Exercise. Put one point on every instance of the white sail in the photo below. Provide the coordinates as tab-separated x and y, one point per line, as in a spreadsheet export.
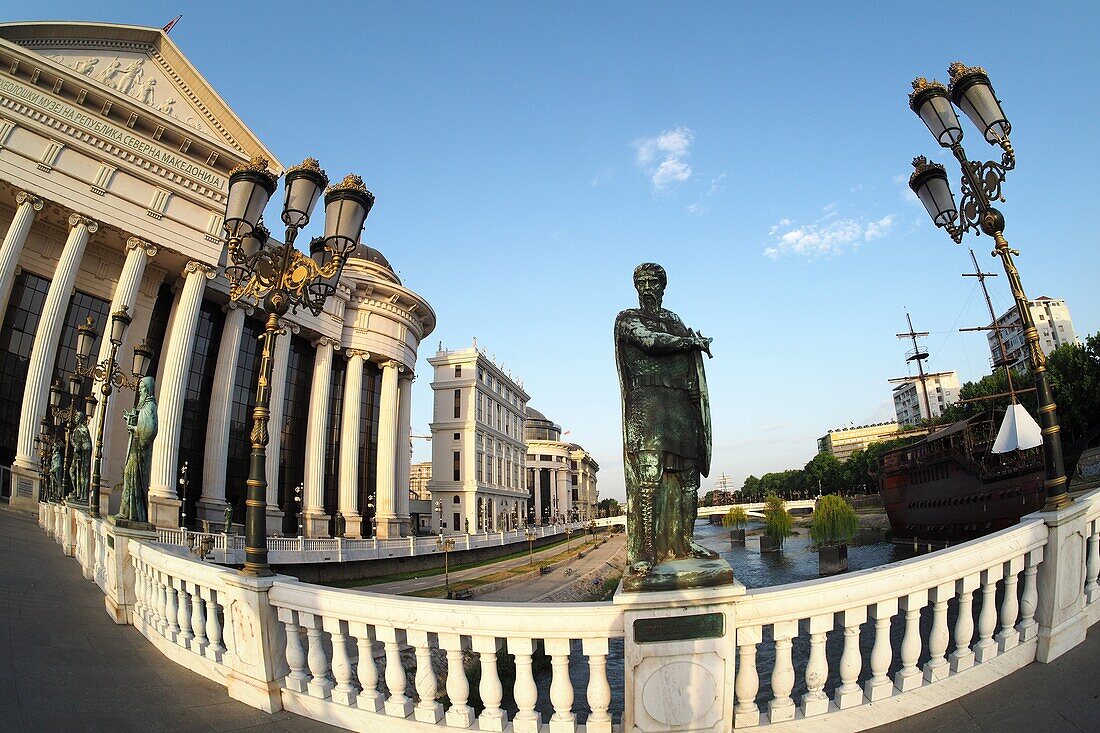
1019	431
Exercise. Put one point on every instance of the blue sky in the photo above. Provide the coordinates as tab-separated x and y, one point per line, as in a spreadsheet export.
526	157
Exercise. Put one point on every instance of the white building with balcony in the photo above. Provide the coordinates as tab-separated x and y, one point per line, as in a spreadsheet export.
477	442
942	389
1052	321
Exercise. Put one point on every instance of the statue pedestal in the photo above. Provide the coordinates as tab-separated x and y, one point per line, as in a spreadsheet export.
133	526
121	595
679	655
164	511
681	575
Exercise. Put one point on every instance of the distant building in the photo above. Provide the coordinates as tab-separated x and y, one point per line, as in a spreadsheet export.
477	442
943	390
842	442
561	476
419	477
1053	322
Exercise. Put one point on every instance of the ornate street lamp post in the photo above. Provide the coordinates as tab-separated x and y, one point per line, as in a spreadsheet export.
65	418
280	278
108	375
971	91
43	446
439	511
446	545
530	535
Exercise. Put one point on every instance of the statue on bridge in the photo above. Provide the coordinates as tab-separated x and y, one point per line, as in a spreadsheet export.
80	461
666	441
141	422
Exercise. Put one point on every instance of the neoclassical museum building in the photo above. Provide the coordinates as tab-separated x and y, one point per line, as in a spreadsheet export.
114	161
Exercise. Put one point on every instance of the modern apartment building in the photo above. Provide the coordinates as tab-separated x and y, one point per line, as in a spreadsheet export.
909	403
1052	321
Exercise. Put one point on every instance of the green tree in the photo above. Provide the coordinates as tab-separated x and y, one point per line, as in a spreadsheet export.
1074	372
735	517
825	473
834	521
609	507
751	490
777	520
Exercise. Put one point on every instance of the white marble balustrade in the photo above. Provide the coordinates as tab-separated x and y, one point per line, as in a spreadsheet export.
351	655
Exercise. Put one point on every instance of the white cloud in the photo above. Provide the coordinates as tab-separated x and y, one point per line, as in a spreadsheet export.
697	208
663	156
602	177
828	236
716	184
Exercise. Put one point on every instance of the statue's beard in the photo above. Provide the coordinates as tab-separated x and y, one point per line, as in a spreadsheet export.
650	302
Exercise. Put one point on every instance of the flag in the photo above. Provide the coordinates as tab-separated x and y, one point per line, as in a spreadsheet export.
169	27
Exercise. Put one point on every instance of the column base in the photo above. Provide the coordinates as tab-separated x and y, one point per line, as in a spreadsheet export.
353	526
164	511
25	486
210	509
274	520
387	527
315	525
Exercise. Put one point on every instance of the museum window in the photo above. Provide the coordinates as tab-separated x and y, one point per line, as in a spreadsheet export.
458	403
457	466
292	446
28	294
331	501
369	402
158	325
458	370
81	307
198	385
242	402
477	465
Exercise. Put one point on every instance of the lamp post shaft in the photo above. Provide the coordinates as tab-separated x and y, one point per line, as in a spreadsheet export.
1057	495
100	419
255	513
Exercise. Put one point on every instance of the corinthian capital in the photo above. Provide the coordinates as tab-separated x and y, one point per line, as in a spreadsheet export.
149	248
194	266
80	220
26	197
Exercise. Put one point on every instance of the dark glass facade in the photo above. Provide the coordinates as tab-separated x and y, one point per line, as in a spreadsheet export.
81	307
332	440
28	293
292	449
196	399
370	400
241	404
158	324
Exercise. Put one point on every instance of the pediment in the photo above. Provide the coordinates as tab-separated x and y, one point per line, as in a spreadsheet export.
145	67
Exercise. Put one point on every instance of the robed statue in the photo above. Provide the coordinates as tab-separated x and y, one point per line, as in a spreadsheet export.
666	441
141	423
80	459
57	473
228	517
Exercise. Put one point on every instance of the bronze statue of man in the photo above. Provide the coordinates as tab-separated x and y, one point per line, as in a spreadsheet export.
666	437
141	422
80	463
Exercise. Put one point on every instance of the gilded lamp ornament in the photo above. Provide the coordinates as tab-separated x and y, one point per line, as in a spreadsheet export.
279	278
971	91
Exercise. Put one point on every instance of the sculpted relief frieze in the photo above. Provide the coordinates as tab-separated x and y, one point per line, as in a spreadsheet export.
134	74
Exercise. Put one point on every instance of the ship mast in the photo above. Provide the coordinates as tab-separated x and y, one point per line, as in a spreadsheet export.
918	355
1002	359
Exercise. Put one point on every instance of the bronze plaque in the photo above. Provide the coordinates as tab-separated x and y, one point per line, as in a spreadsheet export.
679	628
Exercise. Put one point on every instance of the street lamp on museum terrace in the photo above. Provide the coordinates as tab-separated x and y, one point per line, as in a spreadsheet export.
972	92
279	278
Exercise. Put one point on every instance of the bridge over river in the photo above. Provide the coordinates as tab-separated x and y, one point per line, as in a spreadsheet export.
845	653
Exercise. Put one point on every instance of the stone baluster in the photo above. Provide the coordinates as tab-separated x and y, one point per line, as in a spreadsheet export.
1029	598
1008	637
139	589
198	620
298	678
321	685
492	692
781	706
880	686
936	668
599	691
460	714
986	648
214	648
427	710
1092	567
963	656
366	670
815	701
155	599
345	691
398	703
526	694
747	682
171	609
849	694
183	608
561	687
909	677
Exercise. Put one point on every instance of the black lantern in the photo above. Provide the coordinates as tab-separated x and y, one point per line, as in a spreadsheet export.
974	95
929	183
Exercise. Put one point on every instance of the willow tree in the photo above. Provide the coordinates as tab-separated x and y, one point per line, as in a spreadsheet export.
834	521
735	517
777	520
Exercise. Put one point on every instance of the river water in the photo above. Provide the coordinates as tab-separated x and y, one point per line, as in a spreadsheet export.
796	562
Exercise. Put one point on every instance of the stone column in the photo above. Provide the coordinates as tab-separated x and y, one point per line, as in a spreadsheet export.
537	473
163	504
279	365
349	445
386	522
564	503
211	504
314	519
44	350
14	240
138	254
404	450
